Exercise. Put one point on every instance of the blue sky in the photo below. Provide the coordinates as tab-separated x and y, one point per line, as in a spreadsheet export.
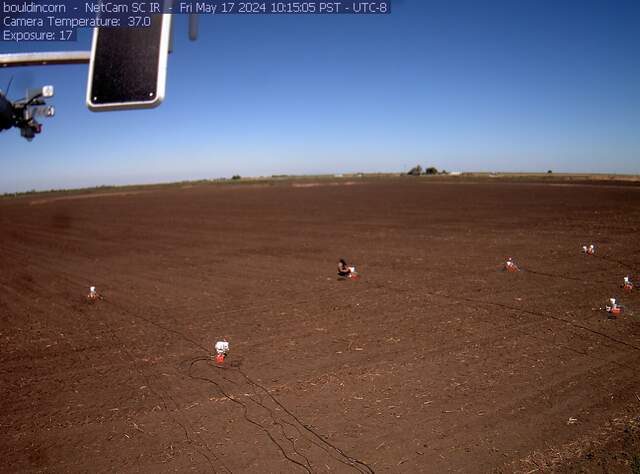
519	85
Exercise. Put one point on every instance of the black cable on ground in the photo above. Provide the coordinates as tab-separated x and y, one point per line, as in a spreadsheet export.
164	403
354	462
562	277
619	262
557	318
246	416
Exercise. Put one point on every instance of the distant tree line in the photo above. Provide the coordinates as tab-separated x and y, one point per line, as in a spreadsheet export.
431	170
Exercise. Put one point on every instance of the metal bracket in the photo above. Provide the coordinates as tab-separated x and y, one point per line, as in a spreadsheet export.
44	59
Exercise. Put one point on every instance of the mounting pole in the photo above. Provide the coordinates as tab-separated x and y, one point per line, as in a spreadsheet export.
193	27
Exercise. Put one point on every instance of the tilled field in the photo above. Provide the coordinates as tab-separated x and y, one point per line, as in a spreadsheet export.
435	360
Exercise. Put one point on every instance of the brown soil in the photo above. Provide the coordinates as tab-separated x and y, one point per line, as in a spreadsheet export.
434	361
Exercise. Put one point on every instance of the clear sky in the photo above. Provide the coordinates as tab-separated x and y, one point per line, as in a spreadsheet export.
465	85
